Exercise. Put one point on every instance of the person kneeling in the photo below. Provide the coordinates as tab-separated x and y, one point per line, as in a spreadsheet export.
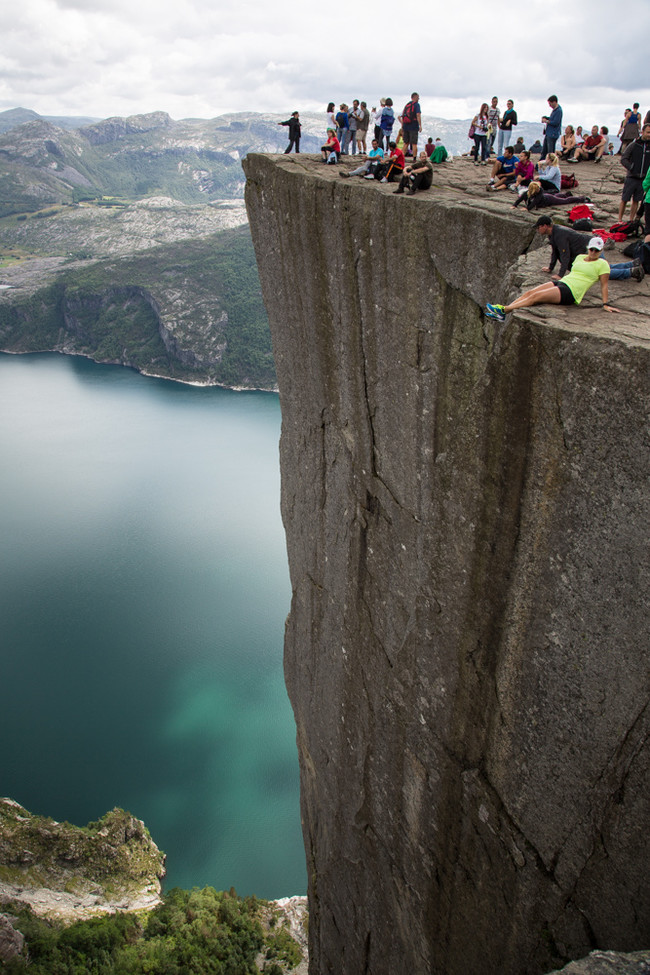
587	269
418	176
332	148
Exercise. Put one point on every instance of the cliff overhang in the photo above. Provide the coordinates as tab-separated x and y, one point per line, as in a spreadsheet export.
466	508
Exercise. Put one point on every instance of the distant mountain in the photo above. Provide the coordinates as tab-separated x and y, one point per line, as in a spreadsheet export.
16	116
191	160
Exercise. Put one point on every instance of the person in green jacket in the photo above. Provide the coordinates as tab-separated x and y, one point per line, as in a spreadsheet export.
646	205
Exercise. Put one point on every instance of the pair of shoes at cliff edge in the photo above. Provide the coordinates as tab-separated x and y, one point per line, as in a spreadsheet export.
497	312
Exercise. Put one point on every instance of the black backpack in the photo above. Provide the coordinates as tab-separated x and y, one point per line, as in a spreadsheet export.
639	249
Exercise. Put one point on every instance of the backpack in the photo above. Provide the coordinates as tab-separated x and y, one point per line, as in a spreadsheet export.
568	181
608	235
641	250
582	211
409	115
387	119
583	224
631	228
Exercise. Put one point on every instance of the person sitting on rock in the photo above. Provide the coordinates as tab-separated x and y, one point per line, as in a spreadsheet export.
439	153
567	143
331	151
503	166
393	167
522	174
550	177
370	166
417	176
587	269
593	147
519	145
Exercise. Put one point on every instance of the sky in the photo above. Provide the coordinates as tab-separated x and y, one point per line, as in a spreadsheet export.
200	59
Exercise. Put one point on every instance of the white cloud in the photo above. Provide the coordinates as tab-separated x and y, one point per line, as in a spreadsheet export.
190	58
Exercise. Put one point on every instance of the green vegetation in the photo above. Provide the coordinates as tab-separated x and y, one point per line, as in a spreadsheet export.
124	309
206	932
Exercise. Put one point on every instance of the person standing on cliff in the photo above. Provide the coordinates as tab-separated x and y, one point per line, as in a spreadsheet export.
505	127
494	118
294	132
411	119
636	159
553	123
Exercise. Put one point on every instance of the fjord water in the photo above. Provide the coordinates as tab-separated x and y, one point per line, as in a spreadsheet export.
143	592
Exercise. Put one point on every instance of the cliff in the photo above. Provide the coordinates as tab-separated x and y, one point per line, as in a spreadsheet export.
68	873
466	509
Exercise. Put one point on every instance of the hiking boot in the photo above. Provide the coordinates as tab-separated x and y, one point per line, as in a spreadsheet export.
497	312
637	273
609	244
636	262
396	192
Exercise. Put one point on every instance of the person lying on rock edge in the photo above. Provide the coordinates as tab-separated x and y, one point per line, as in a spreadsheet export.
570	291
567	243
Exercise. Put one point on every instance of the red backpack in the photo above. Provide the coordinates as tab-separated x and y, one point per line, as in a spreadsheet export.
607	235
582	211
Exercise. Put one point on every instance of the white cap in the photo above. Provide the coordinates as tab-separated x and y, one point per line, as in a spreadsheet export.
597	243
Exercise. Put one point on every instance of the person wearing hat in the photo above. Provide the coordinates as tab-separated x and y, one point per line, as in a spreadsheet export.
587	269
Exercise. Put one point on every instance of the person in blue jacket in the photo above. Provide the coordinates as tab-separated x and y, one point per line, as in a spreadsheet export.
553	123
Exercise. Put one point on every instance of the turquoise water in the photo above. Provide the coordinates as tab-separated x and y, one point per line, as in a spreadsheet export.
143	593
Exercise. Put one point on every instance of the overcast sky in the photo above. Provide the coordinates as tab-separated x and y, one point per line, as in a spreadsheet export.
200	58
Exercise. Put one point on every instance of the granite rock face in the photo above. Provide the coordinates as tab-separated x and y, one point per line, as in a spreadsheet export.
466	509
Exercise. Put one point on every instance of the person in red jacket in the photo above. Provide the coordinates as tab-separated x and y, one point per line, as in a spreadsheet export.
393	168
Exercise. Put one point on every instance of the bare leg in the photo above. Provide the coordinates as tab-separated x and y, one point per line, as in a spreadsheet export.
621	210
543	294
634	206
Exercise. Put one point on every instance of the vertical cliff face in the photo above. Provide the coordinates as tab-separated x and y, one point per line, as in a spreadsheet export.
466	508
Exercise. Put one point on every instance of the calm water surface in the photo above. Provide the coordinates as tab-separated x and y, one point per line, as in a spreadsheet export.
143	592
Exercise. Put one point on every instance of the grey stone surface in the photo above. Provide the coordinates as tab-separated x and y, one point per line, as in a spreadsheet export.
466	508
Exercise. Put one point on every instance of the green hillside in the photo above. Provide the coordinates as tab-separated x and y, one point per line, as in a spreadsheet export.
190	311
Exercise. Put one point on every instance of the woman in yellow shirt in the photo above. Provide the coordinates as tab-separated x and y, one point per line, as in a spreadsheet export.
587	269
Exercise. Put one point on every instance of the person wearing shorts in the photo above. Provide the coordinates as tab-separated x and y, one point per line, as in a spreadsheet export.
411	119
587	269
636	159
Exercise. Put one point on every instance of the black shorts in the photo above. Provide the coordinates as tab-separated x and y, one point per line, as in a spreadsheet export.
632	189
566	293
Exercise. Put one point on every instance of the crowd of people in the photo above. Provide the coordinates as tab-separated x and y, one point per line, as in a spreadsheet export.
395	138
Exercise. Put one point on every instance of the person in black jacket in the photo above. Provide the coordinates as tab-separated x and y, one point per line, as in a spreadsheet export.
636	159
566	244
294	131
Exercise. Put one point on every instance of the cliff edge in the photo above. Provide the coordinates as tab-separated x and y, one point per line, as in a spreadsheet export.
466	509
